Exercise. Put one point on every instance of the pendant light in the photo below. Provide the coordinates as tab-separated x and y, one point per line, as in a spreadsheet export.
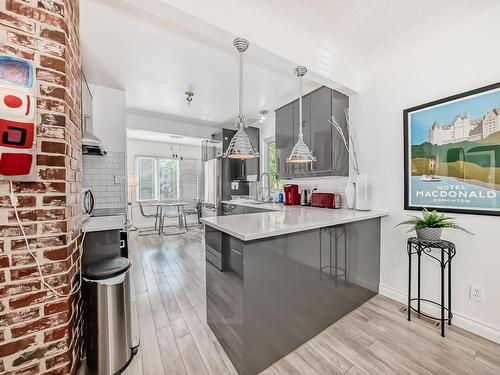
240	146
301	154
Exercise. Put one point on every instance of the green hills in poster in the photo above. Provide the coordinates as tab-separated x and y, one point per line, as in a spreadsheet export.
478	160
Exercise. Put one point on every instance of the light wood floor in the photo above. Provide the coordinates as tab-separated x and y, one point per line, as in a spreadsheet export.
168	307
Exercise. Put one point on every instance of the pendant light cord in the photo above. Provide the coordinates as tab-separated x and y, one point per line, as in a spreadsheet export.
78	263
300	71
301	134
240	89
241	46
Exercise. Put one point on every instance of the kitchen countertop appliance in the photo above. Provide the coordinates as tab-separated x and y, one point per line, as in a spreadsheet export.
292	196
305	197
88	202
326	200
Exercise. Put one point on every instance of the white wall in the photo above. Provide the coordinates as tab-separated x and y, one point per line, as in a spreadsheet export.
171	125
136	148
105	175
438	64
108	116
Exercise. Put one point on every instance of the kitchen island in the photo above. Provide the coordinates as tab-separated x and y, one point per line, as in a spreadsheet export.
279	277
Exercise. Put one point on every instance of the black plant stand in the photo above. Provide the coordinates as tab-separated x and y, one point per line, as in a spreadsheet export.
447	250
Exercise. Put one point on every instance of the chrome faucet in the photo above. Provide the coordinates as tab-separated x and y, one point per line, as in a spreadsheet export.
268	197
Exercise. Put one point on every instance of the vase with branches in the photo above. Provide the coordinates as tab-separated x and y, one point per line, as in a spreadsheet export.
348	142
357	193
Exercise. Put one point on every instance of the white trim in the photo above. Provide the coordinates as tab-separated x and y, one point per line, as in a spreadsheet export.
469	324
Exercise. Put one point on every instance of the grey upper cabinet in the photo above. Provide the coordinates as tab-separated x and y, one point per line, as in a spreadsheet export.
320	136
252	166
340	156
301	170
321	131
284	138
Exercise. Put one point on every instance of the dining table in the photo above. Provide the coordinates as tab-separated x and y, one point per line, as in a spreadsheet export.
161	206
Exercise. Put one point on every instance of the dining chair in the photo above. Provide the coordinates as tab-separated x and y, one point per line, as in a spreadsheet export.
149	231
193	210
178	213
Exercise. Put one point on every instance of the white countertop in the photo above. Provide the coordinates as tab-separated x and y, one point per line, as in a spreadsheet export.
100	223
284	220
264	206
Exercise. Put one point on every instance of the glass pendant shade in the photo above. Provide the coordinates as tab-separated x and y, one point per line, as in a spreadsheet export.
240	146
301	153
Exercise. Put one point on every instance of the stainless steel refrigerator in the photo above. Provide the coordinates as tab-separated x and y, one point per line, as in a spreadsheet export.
212	187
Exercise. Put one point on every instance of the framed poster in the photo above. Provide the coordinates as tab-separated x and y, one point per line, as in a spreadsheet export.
452	153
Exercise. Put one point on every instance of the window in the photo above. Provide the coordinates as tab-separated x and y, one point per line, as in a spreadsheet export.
271	165
169	184
146	179
188	180
167	179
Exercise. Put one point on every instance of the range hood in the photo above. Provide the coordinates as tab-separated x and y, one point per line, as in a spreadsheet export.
91	145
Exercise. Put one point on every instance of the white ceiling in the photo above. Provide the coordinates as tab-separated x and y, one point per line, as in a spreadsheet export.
155	61
155	50
145	135
336	39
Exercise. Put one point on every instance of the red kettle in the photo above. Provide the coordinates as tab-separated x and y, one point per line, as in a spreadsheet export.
292	196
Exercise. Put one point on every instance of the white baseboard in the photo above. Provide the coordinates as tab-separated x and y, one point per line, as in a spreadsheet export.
459	320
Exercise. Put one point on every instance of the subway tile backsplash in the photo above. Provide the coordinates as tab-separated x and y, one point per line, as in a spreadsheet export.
105	175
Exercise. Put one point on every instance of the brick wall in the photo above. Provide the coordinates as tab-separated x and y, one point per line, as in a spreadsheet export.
39	332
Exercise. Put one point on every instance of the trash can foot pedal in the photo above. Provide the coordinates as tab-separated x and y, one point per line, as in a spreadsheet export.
133	351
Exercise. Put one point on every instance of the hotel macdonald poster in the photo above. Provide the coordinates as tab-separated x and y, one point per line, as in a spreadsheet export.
452	153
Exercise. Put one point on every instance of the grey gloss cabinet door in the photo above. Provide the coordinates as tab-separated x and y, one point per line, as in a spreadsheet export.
321	131
301	170
340	156
252	165
284	139
323	140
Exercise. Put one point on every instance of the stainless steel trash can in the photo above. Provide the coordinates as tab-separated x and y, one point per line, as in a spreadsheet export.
109	343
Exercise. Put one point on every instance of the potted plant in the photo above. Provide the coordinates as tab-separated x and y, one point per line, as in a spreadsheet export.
430	225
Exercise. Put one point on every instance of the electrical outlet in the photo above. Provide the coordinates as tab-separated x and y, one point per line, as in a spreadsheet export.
476	293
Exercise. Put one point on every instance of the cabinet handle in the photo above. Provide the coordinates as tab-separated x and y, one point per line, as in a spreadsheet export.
122	244
237	252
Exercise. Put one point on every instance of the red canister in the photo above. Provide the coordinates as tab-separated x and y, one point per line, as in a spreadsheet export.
292	196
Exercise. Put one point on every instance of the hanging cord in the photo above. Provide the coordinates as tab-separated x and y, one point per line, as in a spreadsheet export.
74	290
301	131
